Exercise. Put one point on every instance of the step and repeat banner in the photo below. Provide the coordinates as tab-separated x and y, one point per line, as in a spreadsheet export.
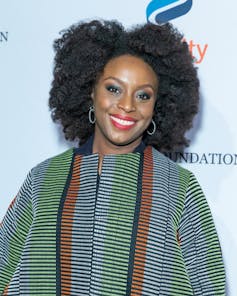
28	136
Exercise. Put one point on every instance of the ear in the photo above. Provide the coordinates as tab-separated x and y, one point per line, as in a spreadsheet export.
93	94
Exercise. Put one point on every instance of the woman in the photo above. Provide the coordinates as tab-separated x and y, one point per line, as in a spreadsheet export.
115	216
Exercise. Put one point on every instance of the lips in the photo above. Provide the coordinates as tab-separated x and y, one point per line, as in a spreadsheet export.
122	122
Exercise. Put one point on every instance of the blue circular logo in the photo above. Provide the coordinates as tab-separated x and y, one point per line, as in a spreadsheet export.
162	11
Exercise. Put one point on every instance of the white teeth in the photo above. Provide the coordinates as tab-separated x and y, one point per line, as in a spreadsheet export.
122	121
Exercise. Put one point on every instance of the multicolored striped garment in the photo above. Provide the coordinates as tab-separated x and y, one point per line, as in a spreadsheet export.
142	228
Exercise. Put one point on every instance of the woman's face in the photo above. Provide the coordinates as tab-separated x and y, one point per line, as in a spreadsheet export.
124	98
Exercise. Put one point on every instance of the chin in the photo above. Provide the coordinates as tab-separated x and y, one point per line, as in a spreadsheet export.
119	141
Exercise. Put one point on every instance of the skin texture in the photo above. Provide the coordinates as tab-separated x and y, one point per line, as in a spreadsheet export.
124	99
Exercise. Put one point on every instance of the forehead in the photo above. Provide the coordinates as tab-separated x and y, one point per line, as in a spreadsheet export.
130	67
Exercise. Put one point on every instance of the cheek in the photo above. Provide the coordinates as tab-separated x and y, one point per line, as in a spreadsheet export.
148	110
102	103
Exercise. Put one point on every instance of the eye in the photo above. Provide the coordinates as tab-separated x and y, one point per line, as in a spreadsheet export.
113	89
143	96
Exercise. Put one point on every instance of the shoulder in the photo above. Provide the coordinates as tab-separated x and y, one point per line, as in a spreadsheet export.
162	160
61	160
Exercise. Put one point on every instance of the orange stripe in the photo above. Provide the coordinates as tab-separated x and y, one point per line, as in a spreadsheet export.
143	225
12	203
66	228
5	292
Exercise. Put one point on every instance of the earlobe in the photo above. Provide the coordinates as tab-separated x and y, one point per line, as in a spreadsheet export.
92	95
93	92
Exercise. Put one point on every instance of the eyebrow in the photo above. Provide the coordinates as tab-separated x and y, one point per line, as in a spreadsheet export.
120	81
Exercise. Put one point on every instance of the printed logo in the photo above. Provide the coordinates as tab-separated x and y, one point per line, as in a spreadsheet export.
3	36
198	51
206	158
162	11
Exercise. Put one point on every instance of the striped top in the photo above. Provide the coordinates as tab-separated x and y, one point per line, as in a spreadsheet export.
142	228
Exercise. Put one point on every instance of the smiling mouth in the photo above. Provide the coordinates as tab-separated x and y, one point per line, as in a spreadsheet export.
122	123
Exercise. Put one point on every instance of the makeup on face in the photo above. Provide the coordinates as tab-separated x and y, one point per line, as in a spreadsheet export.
124	98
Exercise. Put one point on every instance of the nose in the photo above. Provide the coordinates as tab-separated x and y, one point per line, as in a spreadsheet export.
127	103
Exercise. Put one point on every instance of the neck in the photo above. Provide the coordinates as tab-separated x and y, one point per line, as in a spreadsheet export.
106	147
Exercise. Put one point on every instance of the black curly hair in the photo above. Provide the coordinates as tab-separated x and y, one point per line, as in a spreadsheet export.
81	55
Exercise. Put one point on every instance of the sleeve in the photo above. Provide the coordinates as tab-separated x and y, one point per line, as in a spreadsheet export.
200	244
13	232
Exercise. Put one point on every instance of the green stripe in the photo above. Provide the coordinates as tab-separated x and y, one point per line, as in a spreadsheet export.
212	243
120	225
16	244
43	238
179	276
